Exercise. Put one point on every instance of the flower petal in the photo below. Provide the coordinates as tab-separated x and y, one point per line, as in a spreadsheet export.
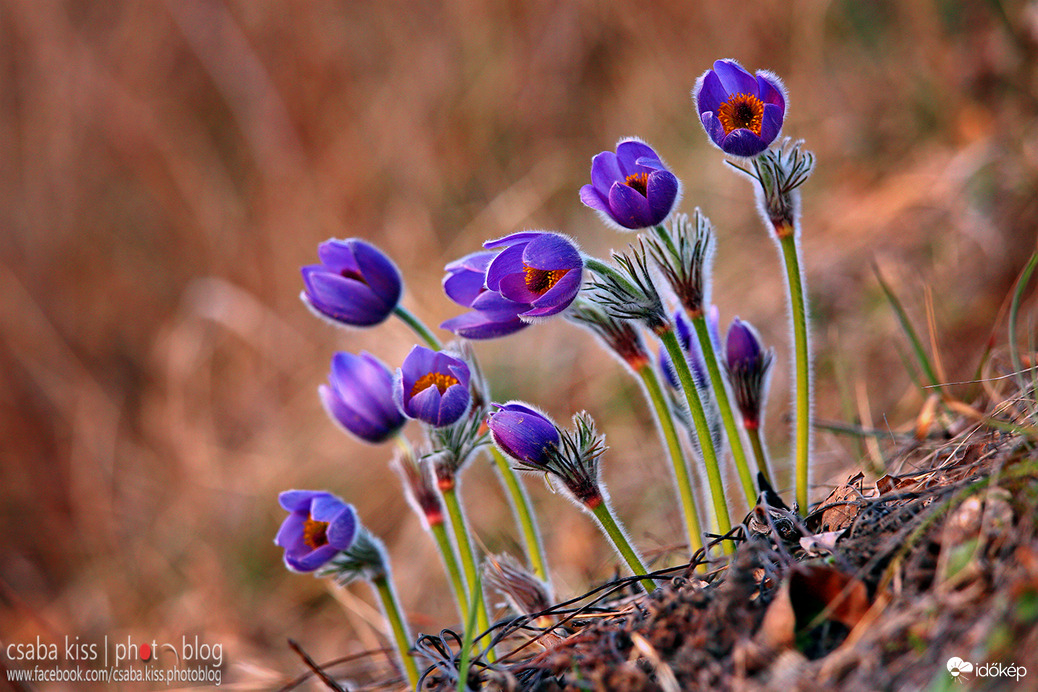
509	261
734	78
605	170
709	94
742	142
771	124
629	207
480	325
551	251
298	500
662	194
342	529
772	90
591	197
630	151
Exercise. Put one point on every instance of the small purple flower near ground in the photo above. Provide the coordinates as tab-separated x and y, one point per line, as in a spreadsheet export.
318	527
631	187
432	386
747	363
355	284
492	314
741	113
540	271
359	397
523	433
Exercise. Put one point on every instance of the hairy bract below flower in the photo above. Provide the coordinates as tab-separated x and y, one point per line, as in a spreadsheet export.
539	270
359	397
432	386
631	187
741	113
492	314
318	527
355	284
523	433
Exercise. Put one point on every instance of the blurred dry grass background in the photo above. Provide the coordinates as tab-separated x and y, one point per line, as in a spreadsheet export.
166	168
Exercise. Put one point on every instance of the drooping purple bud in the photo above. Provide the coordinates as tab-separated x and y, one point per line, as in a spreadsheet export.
355	284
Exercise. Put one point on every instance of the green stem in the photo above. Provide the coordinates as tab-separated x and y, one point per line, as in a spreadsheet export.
391	608
677	455
758	451
706	345
620	542
466	555
523	513
798	308
418	327
450	562
706	442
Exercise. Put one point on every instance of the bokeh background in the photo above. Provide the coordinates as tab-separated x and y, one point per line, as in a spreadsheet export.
167	167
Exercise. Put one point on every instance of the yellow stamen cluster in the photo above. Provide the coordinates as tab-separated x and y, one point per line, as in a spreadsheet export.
741	111
540	281
315	533
434	379
640	182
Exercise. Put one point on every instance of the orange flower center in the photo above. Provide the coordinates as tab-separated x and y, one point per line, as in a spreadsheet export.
315	533
433	379
741	111
640	182
540	281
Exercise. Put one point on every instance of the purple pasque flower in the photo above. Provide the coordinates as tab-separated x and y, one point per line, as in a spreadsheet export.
632	187
539	270
741	113
355	284
359	397
492	314
748	364
690	346
432	386
319	526
523	433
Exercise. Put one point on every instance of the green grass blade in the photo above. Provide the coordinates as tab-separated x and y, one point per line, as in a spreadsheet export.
909	330
1014	309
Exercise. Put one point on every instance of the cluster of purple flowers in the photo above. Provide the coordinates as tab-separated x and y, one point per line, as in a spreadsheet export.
512	283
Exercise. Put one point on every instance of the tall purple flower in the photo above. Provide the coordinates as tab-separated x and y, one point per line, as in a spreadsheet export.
492	314
540	271
432	386
318	527
741	113
355	284
748	364
523	433
632	187
359	397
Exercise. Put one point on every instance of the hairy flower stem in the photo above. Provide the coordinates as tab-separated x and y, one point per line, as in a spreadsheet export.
798	307
706	442
677	456
758	450
468	558
620	542
391	608
725	406
523	513
418	327
450	562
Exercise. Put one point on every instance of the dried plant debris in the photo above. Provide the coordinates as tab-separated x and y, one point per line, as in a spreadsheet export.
888	583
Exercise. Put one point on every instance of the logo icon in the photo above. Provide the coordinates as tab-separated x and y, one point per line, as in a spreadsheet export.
957	667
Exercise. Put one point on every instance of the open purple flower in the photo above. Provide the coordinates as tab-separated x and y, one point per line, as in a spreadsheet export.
359	397
632	187
318	527
355	284
540	271
432	386
741	113
748	364
523	433
492	314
